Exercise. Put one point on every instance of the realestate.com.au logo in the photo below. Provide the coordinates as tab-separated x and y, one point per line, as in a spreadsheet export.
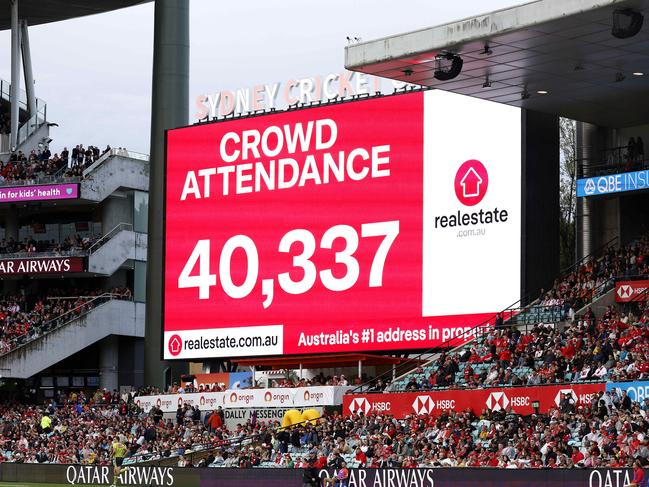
471	182
175	345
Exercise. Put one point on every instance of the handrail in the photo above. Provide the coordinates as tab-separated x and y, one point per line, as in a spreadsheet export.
42	255
114	231
41	180
105	296
605	246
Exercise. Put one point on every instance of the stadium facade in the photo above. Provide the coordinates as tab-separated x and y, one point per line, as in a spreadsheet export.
103	202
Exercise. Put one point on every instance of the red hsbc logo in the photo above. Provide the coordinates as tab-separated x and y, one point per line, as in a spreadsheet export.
626	291
175	345
471	182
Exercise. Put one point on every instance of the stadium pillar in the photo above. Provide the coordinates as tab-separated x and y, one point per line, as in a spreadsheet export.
109	362
169	108
27	68
15	74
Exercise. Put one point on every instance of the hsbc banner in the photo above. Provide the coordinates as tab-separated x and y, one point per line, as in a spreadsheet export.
628	291
520	399
248	398
355	226
44	265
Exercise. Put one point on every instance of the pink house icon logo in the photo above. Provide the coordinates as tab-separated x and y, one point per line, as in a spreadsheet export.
471	182
175	345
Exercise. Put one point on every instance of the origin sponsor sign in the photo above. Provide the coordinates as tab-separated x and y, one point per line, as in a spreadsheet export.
39	193
518	399
248	398
45	265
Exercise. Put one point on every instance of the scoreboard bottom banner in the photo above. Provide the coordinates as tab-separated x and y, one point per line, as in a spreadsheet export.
34	474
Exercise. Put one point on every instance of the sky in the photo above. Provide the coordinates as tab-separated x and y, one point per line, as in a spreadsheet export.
95	72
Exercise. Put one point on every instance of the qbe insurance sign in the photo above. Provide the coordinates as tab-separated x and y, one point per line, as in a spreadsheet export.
383	224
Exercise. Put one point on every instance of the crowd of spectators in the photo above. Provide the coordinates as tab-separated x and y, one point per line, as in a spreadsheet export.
32	167
613	347
611	431
29	245
24	317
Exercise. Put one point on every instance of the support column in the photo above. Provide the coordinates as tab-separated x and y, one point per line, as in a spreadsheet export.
15	75
11	232
169	109
27	68
109	363
587	148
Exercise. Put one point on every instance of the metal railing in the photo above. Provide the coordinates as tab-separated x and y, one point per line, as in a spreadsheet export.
39	255
103	240
63	319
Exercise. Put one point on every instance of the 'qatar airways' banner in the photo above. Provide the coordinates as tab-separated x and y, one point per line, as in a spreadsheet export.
248	398
382	224
41	265
519	399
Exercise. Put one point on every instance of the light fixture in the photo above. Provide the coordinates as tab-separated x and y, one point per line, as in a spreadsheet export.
542	92
487	50
407	72
453	71
487	82
619	77
638	73
525	94
632	25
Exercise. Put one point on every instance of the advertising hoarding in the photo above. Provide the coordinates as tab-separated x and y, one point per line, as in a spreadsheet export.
248	398
628	291
41	265
43	192
613	183
383	224
519	399
637	391
156	476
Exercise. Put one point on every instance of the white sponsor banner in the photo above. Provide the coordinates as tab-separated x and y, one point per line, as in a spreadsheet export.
472	205
247	398
224	342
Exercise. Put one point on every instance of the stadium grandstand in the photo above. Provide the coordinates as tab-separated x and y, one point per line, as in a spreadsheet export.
151	322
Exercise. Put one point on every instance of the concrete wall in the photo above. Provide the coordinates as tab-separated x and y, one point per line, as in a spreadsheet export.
125	245
114	173
112	318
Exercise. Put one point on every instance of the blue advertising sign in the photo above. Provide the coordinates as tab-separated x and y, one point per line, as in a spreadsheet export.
613	183
637	391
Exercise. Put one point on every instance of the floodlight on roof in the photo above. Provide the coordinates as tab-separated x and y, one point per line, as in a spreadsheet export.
453	71
631	19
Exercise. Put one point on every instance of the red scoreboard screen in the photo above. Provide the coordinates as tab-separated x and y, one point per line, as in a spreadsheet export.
382	224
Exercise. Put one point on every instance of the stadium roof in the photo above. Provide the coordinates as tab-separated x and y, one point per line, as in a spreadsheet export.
45	11
562	47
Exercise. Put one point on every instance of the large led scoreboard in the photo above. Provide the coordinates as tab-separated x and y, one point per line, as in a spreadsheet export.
382	224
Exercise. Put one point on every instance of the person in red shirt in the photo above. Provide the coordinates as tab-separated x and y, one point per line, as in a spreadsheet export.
638	475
